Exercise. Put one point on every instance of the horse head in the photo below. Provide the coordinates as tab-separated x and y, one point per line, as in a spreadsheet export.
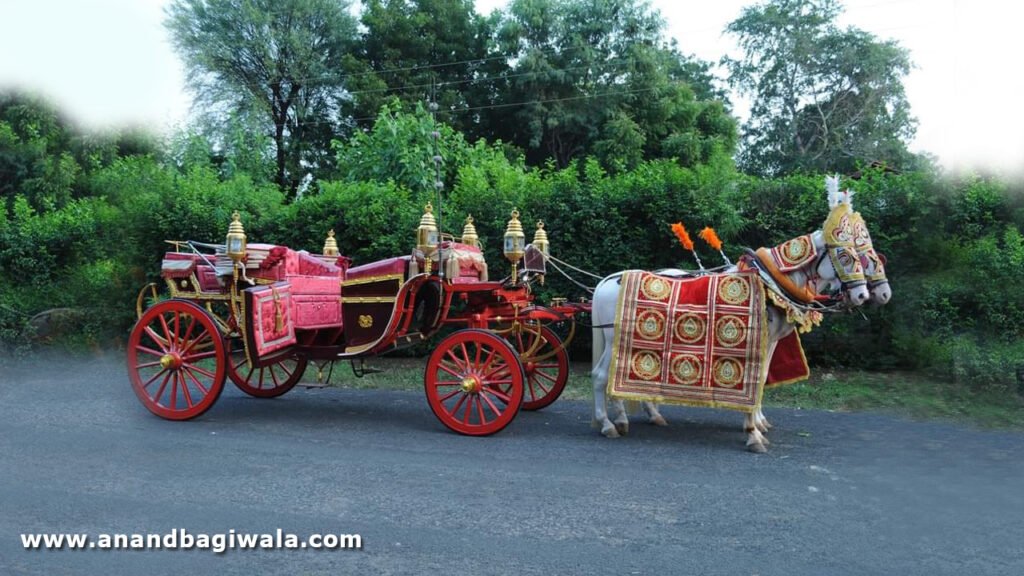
872	262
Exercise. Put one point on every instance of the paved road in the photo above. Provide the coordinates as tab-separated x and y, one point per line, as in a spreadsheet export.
837	493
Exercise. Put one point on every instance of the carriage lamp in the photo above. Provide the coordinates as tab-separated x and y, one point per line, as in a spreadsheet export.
515	242
540	239
426	236
331	245
469	237
540	242
235	239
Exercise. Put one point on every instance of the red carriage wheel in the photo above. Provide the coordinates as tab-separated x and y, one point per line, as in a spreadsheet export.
546	365
176	360
269	381
474	382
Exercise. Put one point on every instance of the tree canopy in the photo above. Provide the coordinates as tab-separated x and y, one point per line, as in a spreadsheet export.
824	98
273	60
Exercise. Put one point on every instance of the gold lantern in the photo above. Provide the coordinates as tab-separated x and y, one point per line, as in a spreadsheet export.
540	238
515	242
426	236
331	245
469	237
235	239
540	242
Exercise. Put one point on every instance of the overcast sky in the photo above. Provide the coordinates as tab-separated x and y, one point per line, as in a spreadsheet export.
109	63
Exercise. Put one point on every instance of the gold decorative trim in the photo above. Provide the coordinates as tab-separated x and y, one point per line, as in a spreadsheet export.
368	299
372	279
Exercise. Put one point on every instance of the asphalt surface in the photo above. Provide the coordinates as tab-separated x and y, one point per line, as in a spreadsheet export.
836	494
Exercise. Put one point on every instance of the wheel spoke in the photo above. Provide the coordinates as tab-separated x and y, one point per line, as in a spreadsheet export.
458	404
167	331
196	380
200	356
153	379
469	408
188	331
480	410
490	403
449	395
441	383
204	372
149	364
260	385
161	342
163	386
184	389
546	376
273	375
444	367
458	364
174	391
490	374
465	356
192	344
499	395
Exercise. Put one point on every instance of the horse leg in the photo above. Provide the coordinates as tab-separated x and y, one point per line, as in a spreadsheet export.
756	442
761	422
599	376
620	418
653	416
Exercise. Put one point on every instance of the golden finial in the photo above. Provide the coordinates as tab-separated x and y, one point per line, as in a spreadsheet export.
469	236
331	245
540	238
426	236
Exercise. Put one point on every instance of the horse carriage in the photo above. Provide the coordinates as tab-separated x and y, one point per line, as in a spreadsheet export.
258	314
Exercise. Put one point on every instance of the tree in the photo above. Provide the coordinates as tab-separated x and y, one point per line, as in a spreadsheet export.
597	77
277	59
823	98
415	50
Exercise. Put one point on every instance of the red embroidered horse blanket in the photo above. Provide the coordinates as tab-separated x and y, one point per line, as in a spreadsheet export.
696	341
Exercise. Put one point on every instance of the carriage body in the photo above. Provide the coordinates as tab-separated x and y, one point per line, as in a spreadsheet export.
261	320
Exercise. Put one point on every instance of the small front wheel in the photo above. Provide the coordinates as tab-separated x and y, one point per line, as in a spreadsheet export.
474	382
270	381
176	360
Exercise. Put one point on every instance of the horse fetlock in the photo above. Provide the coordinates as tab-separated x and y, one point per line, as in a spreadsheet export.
658	420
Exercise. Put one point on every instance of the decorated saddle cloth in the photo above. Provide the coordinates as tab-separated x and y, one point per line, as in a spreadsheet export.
695	341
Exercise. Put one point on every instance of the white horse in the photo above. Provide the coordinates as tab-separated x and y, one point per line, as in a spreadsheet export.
836	263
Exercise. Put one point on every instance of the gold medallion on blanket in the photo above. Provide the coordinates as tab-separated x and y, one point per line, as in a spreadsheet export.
693	341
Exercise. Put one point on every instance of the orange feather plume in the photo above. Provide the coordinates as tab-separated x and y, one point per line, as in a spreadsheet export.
684	237
708	235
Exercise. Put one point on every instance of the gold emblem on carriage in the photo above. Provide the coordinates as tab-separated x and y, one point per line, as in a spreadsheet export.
365	321
650	325
647	365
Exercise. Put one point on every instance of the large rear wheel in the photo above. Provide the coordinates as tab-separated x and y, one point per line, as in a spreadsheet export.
176	360
474	382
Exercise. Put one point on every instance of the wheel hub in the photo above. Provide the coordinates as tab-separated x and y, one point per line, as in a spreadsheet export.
529	367
170	361
470	384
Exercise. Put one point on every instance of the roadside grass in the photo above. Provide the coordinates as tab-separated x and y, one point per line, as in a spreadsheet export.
907	394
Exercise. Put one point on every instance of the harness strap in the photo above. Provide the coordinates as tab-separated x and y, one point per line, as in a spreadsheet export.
764	261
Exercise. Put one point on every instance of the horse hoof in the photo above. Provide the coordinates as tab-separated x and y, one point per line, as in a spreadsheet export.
622	428
610	432
760	426
757	448
659	420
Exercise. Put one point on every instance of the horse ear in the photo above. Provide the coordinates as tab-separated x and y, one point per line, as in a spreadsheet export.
832	187
849	197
